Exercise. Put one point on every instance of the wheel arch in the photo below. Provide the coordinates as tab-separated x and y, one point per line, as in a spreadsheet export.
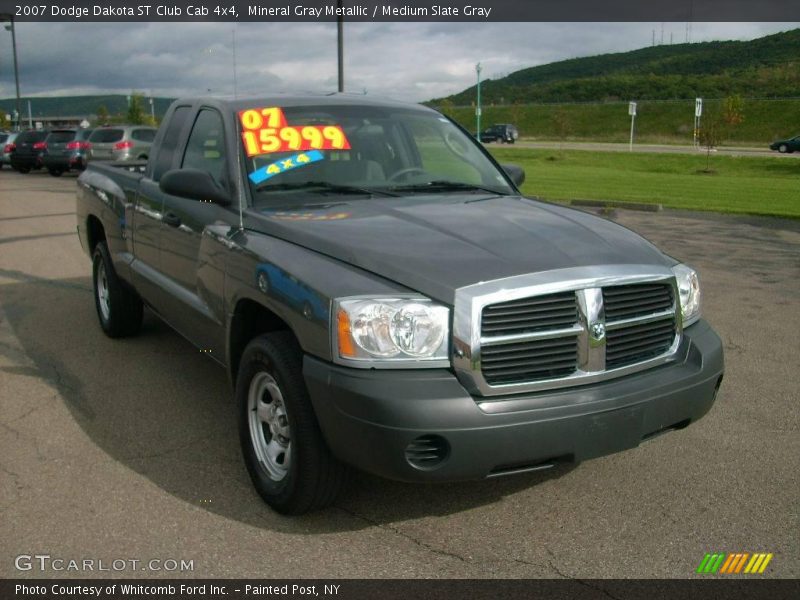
95	232
248	320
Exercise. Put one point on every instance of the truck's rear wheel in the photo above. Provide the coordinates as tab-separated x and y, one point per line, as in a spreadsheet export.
289	463
119	308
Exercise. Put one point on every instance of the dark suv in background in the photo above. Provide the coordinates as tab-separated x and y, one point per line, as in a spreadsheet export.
66	150
28	149
121	143
502	133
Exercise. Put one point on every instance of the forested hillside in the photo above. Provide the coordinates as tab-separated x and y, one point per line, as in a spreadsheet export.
767	67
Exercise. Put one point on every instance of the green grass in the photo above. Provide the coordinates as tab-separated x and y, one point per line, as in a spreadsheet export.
745	185
656	122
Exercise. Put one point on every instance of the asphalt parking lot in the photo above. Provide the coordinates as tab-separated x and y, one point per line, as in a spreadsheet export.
128	449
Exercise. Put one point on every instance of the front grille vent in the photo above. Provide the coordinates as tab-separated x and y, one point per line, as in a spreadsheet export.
530	361
554	311
637	343
630	301
641	339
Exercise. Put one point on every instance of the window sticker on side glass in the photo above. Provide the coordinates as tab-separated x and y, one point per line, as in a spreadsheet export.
265	131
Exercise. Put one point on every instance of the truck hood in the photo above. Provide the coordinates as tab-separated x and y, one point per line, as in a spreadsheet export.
437	244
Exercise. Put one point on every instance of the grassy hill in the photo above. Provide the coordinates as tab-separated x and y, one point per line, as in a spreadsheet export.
767	67
656	121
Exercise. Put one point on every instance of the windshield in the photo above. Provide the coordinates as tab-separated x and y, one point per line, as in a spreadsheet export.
295	152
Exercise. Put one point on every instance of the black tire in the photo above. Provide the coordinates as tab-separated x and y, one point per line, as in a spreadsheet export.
121	313
23	170
55	172
783	148
313	477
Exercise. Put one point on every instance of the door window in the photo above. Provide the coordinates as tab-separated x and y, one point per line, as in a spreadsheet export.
169	141
205	150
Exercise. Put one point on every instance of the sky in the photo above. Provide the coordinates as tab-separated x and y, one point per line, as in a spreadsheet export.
405	61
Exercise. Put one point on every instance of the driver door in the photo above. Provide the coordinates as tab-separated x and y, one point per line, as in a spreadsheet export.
190	258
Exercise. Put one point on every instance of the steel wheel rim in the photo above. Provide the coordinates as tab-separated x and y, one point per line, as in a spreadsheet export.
102	291
270	433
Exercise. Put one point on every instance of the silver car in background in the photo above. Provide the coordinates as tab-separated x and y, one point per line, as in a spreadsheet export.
121	143
7	145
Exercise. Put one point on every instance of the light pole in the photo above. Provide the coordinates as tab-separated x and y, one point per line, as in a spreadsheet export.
340	44
233	35
10	27
478	107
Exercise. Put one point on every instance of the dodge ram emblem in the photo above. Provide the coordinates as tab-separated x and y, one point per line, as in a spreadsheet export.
598	331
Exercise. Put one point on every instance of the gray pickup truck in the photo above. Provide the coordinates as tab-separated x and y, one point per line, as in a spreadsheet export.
382	296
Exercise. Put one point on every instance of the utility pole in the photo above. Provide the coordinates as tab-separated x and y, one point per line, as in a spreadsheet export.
233	35
340	43
478	107
10	27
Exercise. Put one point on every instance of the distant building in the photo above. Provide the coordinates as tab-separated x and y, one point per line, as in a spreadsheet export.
60	121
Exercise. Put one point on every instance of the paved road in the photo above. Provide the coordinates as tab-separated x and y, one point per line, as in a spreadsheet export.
128	450
657	148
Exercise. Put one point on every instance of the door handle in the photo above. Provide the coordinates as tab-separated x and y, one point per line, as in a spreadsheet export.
171	219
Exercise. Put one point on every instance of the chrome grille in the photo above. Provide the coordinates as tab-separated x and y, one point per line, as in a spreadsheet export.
530	361
629	301
553	311
629	339
564	328
629	345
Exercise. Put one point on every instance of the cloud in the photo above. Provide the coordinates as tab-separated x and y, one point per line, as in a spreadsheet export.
409	61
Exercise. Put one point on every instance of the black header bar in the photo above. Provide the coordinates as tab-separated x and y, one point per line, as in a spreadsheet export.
408	10
394	589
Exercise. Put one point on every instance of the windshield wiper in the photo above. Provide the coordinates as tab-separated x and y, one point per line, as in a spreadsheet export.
441	185
321	186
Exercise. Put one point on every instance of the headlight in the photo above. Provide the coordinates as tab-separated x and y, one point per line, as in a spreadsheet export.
391	332
689	292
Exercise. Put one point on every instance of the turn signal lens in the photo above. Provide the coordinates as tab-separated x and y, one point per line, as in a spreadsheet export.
346	347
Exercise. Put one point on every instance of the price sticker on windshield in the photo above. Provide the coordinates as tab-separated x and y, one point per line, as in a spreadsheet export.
265	131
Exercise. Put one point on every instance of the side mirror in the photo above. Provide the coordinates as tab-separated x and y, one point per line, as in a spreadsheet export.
516	173
193	184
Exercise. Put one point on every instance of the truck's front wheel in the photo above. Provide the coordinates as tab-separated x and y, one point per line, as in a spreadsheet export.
118	307
289	463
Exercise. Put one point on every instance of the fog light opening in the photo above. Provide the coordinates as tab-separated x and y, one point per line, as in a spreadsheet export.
427	452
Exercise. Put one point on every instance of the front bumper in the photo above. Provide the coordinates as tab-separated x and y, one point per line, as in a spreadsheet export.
369	417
